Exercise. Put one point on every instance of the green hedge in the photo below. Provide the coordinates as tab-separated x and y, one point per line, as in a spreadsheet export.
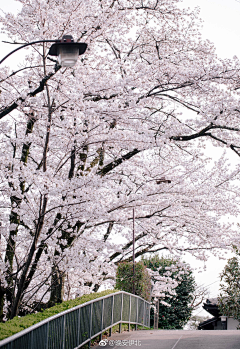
18	324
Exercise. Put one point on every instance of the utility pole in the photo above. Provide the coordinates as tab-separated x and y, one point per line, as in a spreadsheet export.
133	251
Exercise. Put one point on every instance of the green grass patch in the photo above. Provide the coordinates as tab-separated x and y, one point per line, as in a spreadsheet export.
18	324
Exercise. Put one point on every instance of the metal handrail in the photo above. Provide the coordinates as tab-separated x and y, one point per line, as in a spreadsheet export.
75	327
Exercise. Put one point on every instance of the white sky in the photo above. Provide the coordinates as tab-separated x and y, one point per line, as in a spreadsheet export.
222	27
221	24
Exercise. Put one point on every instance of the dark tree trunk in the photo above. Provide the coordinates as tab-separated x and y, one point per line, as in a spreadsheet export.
2	294
57	287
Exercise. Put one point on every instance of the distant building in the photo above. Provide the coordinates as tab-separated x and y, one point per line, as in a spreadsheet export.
218	322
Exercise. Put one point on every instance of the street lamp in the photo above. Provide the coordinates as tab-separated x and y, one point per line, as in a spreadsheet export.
156	313
163	180
133	251
65	49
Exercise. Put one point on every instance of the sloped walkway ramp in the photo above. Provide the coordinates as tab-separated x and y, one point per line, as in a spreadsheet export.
75	327
173	339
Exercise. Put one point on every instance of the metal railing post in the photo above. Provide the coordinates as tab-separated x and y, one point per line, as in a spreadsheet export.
78	330
63	329
102	319
110	330
32	340
129	313
120	325
90	327
144	311
46	345
137	316
149	316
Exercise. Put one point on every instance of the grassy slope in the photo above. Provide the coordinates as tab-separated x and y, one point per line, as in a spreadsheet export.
18	324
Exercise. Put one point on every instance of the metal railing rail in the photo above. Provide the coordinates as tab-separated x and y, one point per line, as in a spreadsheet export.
76	327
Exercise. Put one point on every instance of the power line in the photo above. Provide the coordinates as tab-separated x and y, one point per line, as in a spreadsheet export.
218	278
211	282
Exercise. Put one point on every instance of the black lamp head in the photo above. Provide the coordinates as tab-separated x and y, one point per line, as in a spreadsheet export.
67	50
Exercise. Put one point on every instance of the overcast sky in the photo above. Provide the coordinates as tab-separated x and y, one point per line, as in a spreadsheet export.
221	24
222	27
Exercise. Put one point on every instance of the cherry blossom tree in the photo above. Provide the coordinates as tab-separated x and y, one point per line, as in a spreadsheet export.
173	307
82	146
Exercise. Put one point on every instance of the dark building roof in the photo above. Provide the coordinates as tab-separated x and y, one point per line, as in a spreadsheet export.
211	306
208	324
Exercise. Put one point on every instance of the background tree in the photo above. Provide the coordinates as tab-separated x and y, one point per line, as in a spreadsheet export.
80	147
141	279
229	298
175	308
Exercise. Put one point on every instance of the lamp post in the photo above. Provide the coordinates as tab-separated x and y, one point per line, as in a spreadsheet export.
133	251
156	313
65	49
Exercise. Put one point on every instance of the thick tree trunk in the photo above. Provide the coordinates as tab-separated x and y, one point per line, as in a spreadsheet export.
23	278
14	217
58	276
2	296
57	287
10	250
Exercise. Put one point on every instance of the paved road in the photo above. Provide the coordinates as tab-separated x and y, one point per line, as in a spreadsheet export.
174	339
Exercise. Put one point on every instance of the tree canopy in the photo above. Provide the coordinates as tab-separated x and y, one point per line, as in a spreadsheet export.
175	306
229	298
138	283
80	147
